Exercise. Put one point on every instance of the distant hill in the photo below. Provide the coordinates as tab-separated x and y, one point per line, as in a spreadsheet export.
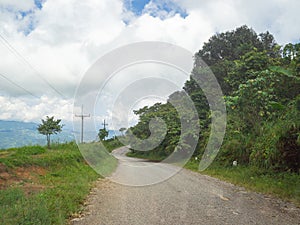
16	134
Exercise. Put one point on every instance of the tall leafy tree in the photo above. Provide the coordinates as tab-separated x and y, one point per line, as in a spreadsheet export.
222	49
246	68
261	83
291	57
48	127
103	133
169	115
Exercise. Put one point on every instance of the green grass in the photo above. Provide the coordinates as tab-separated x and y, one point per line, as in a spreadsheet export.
282	185
65	184
99	158
112	144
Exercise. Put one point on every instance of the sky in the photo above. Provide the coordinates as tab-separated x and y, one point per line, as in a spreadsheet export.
46	46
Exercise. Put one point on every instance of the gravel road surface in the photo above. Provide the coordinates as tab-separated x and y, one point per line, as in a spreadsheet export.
186	198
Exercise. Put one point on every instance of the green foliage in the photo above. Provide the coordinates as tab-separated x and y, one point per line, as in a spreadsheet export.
31	150
16	208
289	149
65	185
48	127
150	155
103	133
291	56
112	144
261	86
256	105
281	184
169	115
246	68
223	49
277	148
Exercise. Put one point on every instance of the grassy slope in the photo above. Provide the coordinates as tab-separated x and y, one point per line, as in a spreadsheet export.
283	185
39	186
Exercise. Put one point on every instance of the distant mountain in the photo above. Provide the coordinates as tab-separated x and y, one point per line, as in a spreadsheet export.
16	134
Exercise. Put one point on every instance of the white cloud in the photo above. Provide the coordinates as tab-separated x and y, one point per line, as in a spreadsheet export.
280	17
25	109
163	8
24	5
66	36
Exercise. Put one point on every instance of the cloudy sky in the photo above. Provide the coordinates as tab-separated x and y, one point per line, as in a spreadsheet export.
46	46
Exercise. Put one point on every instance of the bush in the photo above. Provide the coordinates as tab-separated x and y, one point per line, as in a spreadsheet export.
278	148
289	150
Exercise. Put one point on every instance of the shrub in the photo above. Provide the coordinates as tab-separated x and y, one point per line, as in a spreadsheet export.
278	148
289	150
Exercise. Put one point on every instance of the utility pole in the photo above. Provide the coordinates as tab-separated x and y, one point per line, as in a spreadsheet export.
104	124
82	116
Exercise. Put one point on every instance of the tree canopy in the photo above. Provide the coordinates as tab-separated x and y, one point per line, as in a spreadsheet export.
48	127
103	133
261	84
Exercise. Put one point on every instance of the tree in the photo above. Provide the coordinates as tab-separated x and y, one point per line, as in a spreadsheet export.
122	129
246	67
261	83
168	114
48	127
222	49
103	133
291	56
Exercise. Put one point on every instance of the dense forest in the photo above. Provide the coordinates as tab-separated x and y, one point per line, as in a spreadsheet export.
260	81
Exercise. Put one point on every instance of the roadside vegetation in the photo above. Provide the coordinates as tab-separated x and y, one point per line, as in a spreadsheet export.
111	144
44	186
144	155
260	81
283	185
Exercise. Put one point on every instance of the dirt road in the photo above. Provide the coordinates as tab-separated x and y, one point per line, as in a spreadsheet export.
186	198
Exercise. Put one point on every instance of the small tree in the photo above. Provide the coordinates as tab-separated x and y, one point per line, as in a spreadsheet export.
103	133
48	127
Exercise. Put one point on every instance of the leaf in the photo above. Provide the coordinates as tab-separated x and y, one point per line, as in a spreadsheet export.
276	105
286	72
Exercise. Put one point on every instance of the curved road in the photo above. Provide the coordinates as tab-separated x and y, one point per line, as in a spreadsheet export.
186	198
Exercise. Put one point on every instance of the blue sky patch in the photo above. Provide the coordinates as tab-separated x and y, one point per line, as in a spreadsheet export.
23	13
39	3
31	24
162	8
30	28
137	6
156	8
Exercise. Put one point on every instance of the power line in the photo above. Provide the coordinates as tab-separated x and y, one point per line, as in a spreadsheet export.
26	62
82	116
12	82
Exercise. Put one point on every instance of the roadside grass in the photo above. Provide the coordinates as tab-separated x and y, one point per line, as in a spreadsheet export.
99	158
51	197
112	144
282	185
